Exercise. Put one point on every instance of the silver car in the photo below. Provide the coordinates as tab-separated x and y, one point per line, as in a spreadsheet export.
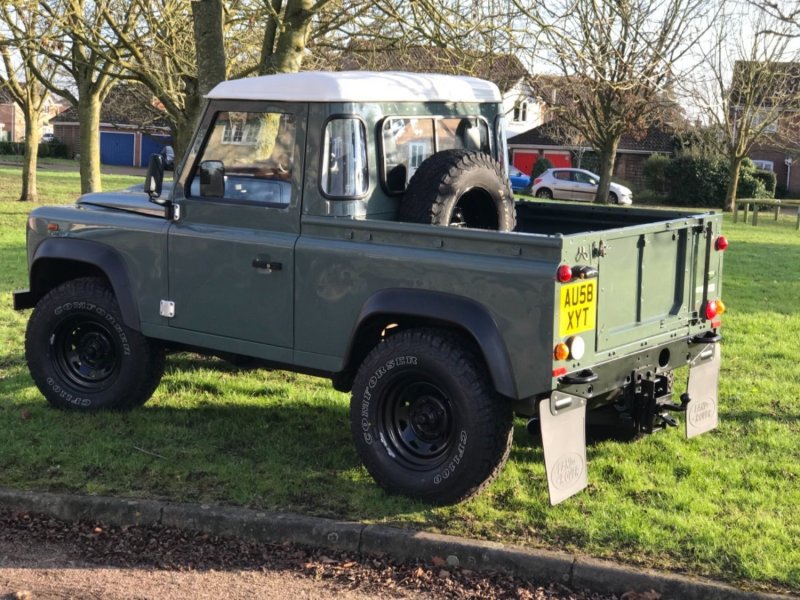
576	184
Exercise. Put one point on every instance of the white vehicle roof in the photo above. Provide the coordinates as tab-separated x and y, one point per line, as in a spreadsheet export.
358	86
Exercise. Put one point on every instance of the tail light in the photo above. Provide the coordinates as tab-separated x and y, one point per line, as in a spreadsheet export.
714	308
537	180
564	273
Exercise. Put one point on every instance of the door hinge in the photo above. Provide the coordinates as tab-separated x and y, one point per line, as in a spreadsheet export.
167	309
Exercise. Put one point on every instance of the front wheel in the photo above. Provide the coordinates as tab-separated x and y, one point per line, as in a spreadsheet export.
82	356
426	420
613	198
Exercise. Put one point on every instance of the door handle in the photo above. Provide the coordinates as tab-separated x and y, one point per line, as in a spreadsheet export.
262	262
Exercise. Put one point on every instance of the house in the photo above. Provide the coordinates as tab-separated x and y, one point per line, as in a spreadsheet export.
132	127
768	94
12	119
523	108
554	142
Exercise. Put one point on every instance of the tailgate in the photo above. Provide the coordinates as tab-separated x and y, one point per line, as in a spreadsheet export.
652	280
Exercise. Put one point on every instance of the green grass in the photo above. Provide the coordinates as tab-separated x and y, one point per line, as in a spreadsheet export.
723	505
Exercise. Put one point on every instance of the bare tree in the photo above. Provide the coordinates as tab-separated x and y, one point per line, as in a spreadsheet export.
23	32
749	81
91	74
616	59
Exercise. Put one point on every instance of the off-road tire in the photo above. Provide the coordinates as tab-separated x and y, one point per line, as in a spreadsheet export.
81	354
544	193
462	188
425	419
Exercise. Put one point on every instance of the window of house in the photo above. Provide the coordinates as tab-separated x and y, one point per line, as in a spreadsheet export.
345	172
521	111
249	157
407	142
765	165
761	116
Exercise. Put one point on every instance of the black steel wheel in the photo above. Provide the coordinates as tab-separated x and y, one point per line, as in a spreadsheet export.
426	420
81	354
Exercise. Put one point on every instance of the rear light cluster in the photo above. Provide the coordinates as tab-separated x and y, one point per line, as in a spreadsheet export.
714	308
537	180
574	347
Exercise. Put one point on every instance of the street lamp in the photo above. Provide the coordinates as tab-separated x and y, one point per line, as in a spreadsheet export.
788	162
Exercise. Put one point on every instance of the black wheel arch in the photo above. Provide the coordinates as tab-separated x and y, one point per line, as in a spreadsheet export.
57	260
409	308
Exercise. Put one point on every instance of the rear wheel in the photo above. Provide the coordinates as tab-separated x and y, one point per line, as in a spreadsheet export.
544	193
82	356
425	419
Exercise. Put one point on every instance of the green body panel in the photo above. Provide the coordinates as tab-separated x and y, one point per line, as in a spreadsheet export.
332	256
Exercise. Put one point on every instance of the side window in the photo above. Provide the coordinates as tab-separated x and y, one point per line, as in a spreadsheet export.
562	175
249	156
406	143
345	172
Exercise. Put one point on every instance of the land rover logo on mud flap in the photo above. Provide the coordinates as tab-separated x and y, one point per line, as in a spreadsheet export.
567	470
701	411
582	254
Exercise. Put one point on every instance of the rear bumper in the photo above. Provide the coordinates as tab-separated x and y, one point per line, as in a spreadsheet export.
647	364
23	299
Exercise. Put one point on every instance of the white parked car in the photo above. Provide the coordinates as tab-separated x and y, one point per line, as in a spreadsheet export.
576	184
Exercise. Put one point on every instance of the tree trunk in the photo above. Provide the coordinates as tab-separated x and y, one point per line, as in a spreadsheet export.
182	137
89	117
608	154
291	45
209	42
733	183
32	137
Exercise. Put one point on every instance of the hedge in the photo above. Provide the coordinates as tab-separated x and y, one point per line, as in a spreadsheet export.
48	150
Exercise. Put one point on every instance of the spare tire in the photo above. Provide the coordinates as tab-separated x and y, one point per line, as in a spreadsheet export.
460	188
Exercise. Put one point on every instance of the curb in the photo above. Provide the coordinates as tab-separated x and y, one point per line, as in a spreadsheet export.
396	543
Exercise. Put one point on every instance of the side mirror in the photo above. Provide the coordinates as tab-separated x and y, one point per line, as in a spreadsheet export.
154	179
212	178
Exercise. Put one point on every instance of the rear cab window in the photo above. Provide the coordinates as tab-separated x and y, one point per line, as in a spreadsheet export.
407	141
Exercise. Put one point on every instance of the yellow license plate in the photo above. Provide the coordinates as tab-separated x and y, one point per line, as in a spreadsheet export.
578	307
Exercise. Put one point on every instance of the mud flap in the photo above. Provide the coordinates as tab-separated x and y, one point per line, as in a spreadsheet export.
701	413
563	423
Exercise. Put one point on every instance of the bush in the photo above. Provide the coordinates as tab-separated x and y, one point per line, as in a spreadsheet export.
770	180
542	164
750	186
48	150
654	172
696	181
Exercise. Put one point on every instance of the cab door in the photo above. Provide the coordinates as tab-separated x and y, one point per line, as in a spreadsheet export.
231	251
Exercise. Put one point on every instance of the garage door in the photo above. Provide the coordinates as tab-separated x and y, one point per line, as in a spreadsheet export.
524	161
152	145
116	148
561	160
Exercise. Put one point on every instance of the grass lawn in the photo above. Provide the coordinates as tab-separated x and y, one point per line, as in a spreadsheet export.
723	505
